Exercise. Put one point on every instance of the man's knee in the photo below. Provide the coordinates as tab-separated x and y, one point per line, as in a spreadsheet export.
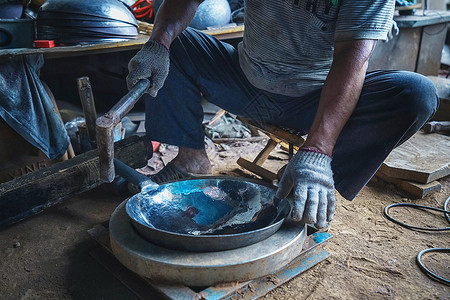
419	96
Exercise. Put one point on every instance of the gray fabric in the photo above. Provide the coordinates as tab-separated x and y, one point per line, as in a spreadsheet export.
309	180
26	106
152	62
292	54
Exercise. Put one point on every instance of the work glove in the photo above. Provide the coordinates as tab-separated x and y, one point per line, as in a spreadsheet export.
308	180
393	32
151	62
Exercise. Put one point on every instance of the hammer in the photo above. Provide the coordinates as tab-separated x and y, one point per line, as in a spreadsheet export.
437	126
105	126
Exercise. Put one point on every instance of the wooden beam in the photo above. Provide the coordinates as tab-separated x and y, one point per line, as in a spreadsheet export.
30	194
258	170
423	158
415	189
276	133
264	154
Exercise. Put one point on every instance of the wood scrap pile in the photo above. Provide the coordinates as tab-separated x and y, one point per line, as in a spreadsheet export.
416	165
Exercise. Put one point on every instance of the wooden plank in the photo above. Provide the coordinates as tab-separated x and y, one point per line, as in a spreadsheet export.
386	55
431	45
258	170
418	19
423	158
32	193
418	190
67	51
264	154
276	133
224	30
134	44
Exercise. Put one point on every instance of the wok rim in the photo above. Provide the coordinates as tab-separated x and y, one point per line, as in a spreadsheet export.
254	181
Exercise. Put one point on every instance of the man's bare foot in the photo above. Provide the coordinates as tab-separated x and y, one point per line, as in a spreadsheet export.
193	161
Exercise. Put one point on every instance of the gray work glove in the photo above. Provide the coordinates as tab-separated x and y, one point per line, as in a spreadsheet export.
309	180
393	32
151	62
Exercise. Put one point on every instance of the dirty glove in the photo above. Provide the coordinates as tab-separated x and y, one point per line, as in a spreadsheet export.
151	62
309	179
393	32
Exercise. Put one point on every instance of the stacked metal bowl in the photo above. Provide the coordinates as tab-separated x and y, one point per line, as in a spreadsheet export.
76	22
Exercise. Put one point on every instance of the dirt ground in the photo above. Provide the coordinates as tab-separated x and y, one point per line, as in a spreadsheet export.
47	256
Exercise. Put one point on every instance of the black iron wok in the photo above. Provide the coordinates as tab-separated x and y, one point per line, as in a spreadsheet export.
203	214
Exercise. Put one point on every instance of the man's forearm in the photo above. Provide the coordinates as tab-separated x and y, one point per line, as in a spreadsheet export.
172	18
340	93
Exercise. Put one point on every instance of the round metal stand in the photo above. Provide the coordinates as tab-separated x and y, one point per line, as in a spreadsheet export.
202	268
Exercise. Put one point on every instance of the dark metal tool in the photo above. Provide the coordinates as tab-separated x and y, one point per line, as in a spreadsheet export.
105	127
437	126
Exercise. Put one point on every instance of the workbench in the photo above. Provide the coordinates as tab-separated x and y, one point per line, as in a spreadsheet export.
418	46
69	51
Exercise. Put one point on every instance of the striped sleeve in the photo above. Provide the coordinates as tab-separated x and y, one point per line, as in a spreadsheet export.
364	19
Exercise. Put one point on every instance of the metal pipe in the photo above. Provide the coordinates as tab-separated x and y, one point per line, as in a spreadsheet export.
144	183
88	104
105	126
129	100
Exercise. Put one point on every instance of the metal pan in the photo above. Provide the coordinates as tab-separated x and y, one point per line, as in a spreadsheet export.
205	214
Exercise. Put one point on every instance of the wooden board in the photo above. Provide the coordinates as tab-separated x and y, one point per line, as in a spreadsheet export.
256	169
418	45
431	45
386	55
431	17
32	193
88	49
276	133
418	190
423	158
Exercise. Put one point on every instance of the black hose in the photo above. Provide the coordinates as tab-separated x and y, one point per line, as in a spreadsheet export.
419	255
426	270
445	211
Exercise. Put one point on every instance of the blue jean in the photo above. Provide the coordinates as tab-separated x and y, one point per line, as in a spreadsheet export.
393	106
26	106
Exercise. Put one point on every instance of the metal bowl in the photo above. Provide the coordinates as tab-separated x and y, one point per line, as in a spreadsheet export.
208	214
106	9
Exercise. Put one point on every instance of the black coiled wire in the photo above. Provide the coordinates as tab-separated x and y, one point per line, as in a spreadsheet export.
421	253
